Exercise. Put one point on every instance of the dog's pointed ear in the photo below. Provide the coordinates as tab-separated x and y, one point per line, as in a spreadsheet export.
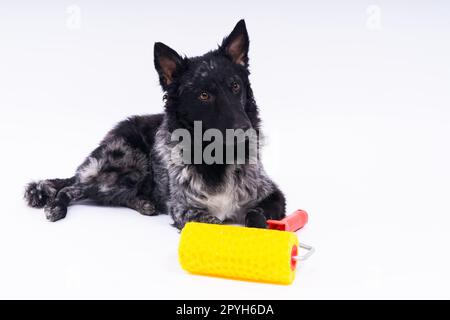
168	63
236	45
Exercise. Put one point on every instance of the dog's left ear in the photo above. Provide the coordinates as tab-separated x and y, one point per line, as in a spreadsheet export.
235	46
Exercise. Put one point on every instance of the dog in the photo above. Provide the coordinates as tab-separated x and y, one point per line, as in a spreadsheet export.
133	165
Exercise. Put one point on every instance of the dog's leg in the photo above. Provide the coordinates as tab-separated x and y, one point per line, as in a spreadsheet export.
40	193
57	209
271	207
181	216
143	206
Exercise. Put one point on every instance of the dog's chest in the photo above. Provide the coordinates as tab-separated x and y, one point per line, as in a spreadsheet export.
224	204
230	201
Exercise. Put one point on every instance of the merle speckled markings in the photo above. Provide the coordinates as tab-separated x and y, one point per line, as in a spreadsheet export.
134	165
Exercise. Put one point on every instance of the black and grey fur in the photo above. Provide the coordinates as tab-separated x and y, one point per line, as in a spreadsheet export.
134	166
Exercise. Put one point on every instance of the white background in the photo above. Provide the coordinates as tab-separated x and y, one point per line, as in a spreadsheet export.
358	119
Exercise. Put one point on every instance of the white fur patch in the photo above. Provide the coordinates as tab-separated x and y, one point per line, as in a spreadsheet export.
104	188
91	169
223	204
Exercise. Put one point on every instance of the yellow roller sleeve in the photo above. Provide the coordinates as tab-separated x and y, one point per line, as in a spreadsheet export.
237	252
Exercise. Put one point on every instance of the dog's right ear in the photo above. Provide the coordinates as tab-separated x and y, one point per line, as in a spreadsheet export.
168	63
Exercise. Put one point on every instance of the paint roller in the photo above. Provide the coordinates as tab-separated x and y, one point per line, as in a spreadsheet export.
262	255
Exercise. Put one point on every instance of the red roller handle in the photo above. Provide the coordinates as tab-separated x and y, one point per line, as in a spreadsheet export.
292	222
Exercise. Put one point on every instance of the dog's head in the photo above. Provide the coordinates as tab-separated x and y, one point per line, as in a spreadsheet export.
213	88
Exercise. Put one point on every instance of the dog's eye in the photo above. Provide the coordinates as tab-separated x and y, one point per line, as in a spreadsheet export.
204	96
236	87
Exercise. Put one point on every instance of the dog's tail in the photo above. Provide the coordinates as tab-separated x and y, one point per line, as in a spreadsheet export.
40	193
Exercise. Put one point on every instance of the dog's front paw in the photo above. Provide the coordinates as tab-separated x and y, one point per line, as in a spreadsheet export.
255	218
212	219
201	216
195	215
54	212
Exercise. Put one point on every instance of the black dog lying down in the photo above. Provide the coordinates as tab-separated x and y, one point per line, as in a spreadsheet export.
133	165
